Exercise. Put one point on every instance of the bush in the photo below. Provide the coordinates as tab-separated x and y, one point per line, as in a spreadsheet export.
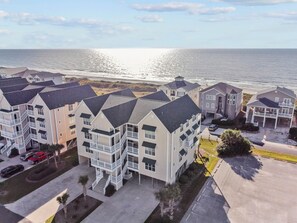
14	152
293	133
110	190
41	173
250	127
233	143
227	122
184	179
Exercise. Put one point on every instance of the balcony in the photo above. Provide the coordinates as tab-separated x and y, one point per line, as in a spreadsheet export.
263	114
286	104
133	165
32	124
10	134
30	112
95	146
287	115
131	134
105	165
9	122
116	179
33	136
132	150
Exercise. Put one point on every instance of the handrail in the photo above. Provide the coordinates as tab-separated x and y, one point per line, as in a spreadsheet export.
106	184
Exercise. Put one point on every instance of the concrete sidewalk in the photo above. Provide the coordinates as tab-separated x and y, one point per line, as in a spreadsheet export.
41	204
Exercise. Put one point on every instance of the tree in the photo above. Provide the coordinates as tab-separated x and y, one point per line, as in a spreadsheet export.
46	148
233	143
52	149
293	133
63	200
83	180
57	149
168	195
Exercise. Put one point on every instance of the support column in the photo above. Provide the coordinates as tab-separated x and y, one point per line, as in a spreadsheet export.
247	113
292	119
264	120
139	178
253	115
277	111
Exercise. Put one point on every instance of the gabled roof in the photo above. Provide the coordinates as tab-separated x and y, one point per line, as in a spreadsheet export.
120	114
12	88
158	96
21	97
181	84
43	83
62	97
281	89
66	85
12	71
223	88
95	104
262	102
46	74
176	112
13	81
8	78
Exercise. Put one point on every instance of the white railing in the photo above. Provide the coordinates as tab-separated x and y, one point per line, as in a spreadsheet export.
98	178
270	115
10	122
32	124
259	113
10	134
33	136
24	116
30	112
133	165
116	179
105	165
132	134
265	114
108	149
285	115
26	127
285	104
106	184
133	150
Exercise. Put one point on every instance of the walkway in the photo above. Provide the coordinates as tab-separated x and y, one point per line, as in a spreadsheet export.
133	203
41	204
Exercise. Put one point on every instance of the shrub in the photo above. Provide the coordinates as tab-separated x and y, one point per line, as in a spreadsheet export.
227	122
110	190
244	108
250	127
41	173
233	143
14	152
184	179
293	133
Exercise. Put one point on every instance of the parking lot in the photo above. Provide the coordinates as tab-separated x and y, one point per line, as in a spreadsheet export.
252	190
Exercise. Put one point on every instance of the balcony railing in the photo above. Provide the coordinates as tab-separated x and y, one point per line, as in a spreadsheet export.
285	115
32	124
30	112
132	134
263	114
105	165
10	122
10	134
116	179
33	136
108	149
133	150
133	165
286	104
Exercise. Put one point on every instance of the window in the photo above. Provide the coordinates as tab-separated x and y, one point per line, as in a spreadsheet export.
287	101
210	97
150	167
193	118
42	124
87	121
72	120
88	135
207	105
72	131
150	135
88	150
40	111
70	107
43	136
231	99
150	151
180	157
181	128
212	105
172	93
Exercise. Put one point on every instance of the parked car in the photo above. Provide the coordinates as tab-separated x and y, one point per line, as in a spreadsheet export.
213	127
26	156
37	157
11	170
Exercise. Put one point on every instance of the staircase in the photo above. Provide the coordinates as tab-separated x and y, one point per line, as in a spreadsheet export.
102	184
7	147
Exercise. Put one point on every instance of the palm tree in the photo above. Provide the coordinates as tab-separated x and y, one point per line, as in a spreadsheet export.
52	149
59	147
46	148
63	200
173	193
162	197
83	180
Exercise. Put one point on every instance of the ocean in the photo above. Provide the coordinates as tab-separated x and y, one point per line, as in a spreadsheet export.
251	69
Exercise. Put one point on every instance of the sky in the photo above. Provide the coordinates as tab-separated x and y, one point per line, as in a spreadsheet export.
148	24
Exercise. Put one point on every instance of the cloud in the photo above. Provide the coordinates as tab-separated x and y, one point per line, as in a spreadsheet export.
258	2
150	18
189	7
90	24
4	31
287	16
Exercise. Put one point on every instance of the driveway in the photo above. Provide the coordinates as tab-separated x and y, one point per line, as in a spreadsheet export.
133	203
41	204
12	161
252	190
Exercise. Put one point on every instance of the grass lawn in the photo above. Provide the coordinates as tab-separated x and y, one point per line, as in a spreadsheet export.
18	186
209	146
274	155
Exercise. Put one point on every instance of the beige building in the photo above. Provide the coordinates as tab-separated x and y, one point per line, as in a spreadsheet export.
221	100
179	87
274	105
120	135
31	112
